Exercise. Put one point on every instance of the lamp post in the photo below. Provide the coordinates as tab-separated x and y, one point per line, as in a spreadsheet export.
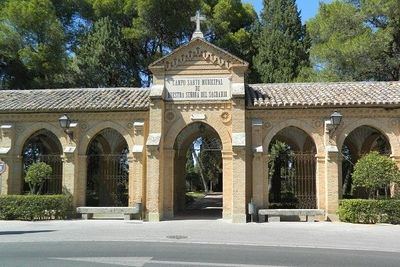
65	123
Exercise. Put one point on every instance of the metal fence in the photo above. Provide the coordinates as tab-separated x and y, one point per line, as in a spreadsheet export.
107	180
298	181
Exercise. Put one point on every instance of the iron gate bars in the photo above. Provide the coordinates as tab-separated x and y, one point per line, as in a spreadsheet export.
297	184
107	180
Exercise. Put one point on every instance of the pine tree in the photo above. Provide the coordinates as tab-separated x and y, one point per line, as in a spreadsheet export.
281	42
101	60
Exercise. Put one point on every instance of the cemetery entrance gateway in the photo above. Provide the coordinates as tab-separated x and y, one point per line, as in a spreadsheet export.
198	172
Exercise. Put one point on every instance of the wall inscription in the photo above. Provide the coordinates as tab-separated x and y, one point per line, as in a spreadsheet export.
197	88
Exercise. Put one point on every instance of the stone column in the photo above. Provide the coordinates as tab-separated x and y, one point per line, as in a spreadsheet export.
259	167
137	166
332	182
15	181
169	187
7	179
260	180
80	190
5	176
153	185
239	185
227	178
320	182
69	179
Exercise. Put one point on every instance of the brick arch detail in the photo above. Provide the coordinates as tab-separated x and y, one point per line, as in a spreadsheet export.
302	125
25	135
93	131
389	133
218	127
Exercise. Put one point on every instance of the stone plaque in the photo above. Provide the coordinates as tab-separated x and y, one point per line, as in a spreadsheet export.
2	167
197	88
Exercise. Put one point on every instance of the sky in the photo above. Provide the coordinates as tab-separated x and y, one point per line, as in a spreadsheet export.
308	8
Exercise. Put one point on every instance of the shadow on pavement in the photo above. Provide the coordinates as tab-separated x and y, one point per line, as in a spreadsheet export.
206	208
24	232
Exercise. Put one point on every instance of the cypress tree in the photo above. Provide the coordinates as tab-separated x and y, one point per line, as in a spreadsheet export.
282	48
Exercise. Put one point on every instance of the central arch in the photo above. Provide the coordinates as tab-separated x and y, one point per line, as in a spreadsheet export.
107	169
198	170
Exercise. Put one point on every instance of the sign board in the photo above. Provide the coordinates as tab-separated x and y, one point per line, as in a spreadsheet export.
197	88
2	167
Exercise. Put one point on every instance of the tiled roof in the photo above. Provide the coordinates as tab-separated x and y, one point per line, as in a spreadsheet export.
63	100
323	94
258	96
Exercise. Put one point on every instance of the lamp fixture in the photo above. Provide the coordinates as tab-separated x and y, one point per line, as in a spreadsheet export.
333	122
65	123
336	118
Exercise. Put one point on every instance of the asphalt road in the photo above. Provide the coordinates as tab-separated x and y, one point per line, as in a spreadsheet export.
182	254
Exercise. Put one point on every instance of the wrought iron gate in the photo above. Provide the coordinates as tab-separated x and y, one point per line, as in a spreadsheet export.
107	180
298	181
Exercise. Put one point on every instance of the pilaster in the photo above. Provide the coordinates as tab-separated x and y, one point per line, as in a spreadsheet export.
259	165
169	187
137	165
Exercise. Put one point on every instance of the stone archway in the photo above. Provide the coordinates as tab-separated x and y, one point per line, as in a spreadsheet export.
107	169
359	142
292	169
43	146
198	169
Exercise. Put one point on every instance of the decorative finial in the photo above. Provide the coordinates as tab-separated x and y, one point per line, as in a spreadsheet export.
198	19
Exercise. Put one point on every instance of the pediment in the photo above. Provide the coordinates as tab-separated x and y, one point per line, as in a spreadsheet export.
198	50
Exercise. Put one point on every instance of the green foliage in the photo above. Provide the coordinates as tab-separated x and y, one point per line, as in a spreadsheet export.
374	172
32	45
34	207
230	24
101	60
282	43
280	154
99	43
356	40
369	211
36	176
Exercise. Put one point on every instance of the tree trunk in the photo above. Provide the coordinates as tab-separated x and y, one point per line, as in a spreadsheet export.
203	180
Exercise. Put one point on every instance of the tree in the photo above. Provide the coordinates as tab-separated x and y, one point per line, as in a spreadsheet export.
282	47
230	26
280	154
101	60
375	172
36	176
356	40
32	45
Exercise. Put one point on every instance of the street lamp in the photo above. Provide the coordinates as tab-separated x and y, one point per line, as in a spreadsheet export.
65	123
336	118
333	122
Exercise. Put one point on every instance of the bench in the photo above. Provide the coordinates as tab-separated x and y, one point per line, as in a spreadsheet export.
274	215
128	212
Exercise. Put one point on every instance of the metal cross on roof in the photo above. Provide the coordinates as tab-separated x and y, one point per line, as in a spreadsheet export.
198	19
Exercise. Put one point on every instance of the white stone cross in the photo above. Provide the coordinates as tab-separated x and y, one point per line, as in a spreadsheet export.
198	19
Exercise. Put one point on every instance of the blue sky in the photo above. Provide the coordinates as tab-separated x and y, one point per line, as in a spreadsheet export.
308	7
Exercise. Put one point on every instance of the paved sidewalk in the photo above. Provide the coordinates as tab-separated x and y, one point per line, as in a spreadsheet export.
291	234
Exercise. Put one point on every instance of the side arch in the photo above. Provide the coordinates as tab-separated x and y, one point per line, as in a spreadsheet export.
378	125
92	132
307	128
23	137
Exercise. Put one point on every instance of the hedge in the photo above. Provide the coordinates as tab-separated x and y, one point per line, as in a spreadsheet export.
370	211
35	207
